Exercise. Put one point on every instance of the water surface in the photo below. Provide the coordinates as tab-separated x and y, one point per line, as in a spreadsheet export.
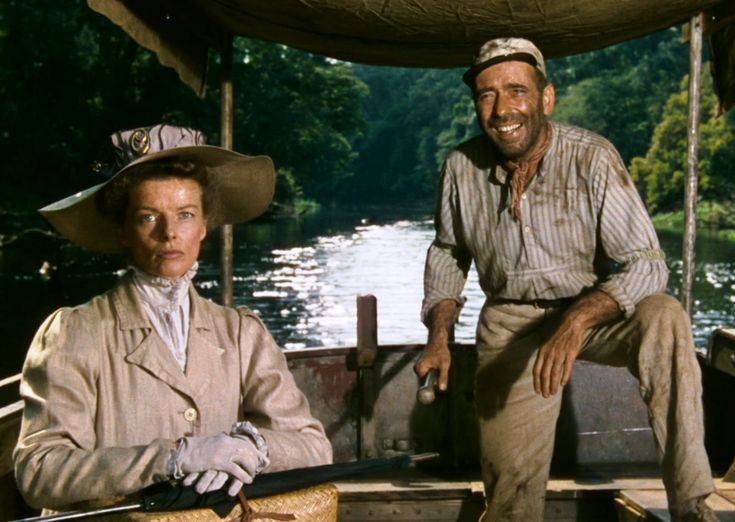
302	278
306	292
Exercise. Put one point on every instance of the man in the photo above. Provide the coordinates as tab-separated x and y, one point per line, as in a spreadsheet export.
545	210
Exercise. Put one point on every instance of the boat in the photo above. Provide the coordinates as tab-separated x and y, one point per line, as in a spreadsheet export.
604	465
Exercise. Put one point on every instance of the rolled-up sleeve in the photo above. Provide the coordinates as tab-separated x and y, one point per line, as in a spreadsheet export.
56	462
447	260
628	237
273	402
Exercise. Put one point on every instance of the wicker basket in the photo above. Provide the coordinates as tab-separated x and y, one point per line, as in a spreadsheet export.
315	504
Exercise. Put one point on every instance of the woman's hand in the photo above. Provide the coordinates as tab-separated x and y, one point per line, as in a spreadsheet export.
211	461
211	481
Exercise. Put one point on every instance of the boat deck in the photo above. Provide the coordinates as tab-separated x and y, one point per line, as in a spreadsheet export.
413	495
648	502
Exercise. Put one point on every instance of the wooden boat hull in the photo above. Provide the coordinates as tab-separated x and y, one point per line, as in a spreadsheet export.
604	445
373	412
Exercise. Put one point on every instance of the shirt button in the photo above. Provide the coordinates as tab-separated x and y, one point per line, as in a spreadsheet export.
190	414
527	228
523	196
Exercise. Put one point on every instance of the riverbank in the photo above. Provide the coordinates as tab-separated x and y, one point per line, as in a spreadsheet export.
717	218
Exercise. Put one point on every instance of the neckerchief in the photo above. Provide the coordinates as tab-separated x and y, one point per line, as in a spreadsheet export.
523	170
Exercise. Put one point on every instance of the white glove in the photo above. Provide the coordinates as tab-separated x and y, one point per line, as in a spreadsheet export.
210	461
211	481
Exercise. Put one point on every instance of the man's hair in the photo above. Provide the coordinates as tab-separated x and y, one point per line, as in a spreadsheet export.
113	200
541	80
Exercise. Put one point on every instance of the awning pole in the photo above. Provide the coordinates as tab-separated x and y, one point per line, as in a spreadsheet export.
690	186
226	130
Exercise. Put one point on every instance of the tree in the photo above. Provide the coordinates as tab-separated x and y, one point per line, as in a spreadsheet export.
619	91
662	170
407	111
303	110
69	78
415	116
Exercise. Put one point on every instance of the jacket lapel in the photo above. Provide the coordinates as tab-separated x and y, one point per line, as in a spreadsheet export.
204	359
148	350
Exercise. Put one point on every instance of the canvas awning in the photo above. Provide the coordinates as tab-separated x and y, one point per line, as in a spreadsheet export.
422	33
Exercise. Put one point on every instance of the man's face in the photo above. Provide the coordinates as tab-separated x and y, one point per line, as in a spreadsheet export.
511	109
164	226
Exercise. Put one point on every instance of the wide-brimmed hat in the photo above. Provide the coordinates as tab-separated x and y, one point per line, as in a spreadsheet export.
504	50
243	185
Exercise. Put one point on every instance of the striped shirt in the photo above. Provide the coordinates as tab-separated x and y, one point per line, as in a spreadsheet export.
583	225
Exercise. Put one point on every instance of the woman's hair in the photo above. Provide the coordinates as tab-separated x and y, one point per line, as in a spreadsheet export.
113	200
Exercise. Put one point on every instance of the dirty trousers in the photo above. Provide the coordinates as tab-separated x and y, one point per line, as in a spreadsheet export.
517	426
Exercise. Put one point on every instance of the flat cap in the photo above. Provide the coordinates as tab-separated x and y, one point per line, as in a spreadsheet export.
504	50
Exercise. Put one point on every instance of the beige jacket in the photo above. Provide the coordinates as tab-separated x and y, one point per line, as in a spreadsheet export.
105	399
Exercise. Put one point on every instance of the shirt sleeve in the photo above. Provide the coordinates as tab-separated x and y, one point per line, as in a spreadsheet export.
627	236
447	260
56	463
275	405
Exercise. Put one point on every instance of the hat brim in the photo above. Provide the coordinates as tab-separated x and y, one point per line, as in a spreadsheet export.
470	74
244	187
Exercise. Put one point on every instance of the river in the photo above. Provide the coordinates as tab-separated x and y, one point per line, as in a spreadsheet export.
302	277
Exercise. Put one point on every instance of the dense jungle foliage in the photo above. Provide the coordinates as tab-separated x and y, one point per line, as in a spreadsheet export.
339	133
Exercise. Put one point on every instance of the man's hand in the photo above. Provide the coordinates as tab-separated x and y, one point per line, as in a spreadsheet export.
555	358
436	353
435	357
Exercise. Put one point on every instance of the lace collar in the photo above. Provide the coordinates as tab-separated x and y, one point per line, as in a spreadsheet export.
161	292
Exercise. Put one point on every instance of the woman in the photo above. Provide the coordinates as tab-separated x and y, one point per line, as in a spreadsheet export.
149	381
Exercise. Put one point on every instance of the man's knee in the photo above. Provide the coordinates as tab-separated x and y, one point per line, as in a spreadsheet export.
665	335
661	308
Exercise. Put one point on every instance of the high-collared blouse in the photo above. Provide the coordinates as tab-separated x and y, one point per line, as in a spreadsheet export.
105	399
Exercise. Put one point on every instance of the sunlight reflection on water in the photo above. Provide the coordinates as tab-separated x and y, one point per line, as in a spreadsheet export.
307	294
302	277
313	288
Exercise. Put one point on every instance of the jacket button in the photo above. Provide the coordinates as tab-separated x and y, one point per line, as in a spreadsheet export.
190	414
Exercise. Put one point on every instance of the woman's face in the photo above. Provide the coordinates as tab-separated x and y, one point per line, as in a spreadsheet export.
164	226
